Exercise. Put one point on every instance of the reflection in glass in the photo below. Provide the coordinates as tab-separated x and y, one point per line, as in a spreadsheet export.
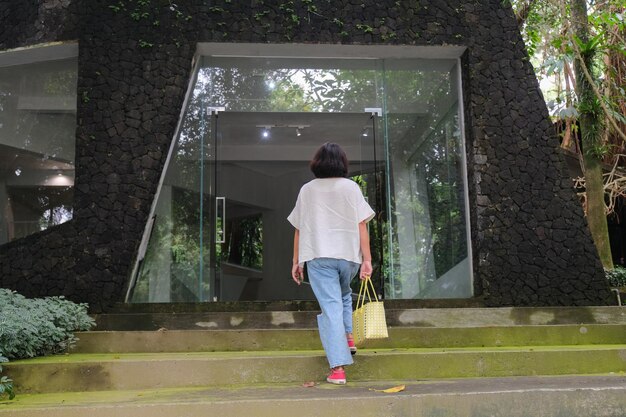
37	141
172	268
244	242
425	163
292	85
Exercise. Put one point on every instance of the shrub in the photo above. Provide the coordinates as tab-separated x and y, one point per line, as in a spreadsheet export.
6	385
40	326
616	276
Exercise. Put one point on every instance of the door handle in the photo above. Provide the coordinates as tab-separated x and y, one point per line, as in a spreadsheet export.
220	227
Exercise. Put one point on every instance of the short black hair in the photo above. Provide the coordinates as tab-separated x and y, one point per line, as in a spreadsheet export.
329	161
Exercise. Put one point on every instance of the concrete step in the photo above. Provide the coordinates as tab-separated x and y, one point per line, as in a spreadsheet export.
307	339
128	371
427	317
579	396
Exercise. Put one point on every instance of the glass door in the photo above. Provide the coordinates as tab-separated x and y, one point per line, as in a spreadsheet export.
262	160
369	172
239	207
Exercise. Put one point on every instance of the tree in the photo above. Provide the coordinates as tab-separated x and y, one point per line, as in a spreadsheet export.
590	121
578	50
523	11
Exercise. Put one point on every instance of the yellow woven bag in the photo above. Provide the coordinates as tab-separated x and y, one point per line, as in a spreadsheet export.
368	319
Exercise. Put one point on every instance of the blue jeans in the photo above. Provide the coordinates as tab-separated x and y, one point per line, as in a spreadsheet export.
330	279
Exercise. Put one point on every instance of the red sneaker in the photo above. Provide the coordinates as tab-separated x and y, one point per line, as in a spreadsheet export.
337	376
351	346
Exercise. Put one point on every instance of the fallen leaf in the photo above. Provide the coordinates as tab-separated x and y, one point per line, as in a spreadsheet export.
308	384
390	390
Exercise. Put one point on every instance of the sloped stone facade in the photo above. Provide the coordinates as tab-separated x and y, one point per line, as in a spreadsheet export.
531	244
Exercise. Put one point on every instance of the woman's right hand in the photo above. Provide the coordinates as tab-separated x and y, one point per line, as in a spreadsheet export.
297	273
366	270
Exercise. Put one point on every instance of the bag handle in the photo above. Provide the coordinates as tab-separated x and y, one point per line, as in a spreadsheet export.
373	289
365	290
361	298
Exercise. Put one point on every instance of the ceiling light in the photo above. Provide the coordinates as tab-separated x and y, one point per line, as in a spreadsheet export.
365	132
298	133
265	133
18	172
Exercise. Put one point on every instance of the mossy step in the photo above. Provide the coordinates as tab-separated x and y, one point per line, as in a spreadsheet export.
96	372
306	339
135	319
572	396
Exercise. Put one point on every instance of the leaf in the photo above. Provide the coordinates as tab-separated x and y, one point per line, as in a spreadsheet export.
568	112
309	384
391	390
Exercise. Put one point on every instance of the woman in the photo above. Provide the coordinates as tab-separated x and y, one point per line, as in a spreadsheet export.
331	236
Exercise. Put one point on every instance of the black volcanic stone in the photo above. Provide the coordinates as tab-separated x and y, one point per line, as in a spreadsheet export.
531	244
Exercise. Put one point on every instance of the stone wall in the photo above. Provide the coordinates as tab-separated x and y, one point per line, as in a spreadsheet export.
531	244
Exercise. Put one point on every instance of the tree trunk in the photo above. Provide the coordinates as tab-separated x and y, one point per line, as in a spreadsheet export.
568	143
596	215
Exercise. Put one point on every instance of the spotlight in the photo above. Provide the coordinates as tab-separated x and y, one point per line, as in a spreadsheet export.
266	133
298	133
365	132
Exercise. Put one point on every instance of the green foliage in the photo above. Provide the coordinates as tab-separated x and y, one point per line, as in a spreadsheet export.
145	44
117	7
40	326
551	43
244	242
6	384
152	11
176	247
616	276
365	28
261	15
137	15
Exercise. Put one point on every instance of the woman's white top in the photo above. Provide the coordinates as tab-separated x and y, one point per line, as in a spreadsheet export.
327	214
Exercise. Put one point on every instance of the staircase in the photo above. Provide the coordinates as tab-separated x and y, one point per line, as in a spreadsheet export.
452	362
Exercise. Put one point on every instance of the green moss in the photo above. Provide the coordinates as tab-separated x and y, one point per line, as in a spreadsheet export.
121	357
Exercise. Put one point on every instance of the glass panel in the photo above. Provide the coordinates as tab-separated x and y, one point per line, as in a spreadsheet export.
37	141
175	267
427	186
293	84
